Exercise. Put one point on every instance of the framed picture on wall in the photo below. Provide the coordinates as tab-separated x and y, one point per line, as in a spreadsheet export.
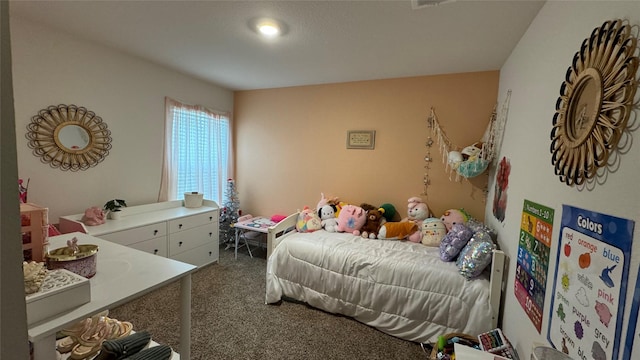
361	139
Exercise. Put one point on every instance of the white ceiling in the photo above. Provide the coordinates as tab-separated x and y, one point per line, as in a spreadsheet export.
327	41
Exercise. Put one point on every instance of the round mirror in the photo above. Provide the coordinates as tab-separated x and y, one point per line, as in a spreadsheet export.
72	137
584	107
69	137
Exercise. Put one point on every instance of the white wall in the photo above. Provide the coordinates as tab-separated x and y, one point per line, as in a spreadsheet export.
534	72
51	68
13	314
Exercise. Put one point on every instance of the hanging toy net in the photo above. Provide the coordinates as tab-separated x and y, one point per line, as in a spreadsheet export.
475	159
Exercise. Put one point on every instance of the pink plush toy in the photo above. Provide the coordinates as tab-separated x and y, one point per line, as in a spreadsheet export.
454	216
417	211
351	219
93	216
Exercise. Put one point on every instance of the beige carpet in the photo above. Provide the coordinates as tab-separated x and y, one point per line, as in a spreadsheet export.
231	321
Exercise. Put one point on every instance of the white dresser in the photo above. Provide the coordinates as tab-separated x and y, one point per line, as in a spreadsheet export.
166	229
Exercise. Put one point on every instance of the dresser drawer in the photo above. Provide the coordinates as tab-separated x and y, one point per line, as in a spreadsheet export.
192	238
188	222
199	256
132	236
156	246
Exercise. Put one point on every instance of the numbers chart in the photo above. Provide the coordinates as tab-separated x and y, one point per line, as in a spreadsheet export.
536	226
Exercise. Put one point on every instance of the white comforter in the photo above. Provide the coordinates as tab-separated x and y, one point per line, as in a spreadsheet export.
400	288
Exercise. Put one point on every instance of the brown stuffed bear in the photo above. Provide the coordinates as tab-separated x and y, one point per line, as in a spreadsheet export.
371	226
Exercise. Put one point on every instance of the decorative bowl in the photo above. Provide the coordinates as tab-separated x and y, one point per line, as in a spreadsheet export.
79	259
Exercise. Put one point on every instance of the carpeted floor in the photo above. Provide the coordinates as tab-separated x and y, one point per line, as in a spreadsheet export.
231	321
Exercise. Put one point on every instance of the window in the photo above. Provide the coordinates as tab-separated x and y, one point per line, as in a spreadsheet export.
197	152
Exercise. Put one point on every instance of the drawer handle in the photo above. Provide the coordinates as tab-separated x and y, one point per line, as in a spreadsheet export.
155	232
210	218
180	243
179	226
155	251
210	234
210	253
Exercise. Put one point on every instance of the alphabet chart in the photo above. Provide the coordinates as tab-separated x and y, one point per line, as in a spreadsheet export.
590	287
536	227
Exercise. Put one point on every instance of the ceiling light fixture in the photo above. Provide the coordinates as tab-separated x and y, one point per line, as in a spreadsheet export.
419	4
268	27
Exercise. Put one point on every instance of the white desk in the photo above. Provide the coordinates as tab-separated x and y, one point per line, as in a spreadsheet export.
122	275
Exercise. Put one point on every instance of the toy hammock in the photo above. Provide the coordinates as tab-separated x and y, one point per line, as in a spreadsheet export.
472	160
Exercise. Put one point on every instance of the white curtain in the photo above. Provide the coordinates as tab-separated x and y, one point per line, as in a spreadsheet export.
197	151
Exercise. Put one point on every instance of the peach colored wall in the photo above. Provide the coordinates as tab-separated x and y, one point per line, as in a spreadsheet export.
290	143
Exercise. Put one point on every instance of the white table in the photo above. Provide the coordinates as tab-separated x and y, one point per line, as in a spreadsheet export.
122	274
256	224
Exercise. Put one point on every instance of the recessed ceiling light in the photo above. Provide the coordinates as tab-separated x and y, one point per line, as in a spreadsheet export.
268	27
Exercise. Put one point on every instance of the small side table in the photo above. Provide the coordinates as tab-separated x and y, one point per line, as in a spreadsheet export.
258	224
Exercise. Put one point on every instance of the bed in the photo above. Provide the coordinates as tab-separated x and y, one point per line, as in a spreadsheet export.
400	288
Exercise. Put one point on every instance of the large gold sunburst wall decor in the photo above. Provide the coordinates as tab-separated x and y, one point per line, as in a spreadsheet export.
69	137
595	102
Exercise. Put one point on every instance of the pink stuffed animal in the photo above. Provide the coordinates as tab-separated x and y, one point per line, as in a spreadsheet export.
454	216
93	216
351	219
417	211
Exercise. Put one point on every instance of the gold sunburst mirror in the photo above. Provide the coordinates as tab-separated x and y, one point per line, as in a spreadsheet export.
69	137
595	102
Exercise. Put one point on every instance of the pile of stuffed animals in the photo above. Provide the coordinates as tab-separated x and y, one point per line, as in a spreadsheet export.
368	221
459	237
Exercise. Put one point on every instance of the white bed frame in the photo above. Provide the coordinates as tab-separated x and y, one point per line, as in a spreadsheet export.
288	225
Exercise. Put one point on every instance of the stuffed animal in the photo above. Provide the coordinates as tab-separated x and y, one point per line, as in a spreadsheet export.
372	225
324	201
390	213
417	211
433	231
93	216
351	219
327	214
308	221
454	159
397	230
471	152
454	216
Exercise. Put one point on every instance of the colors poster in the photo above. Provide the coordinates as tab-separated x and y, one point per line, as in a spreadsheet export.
590	284
633	330
534	246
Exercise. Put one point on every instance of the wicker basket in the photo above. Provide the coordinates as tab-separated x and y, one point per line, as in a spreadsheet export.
434	351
